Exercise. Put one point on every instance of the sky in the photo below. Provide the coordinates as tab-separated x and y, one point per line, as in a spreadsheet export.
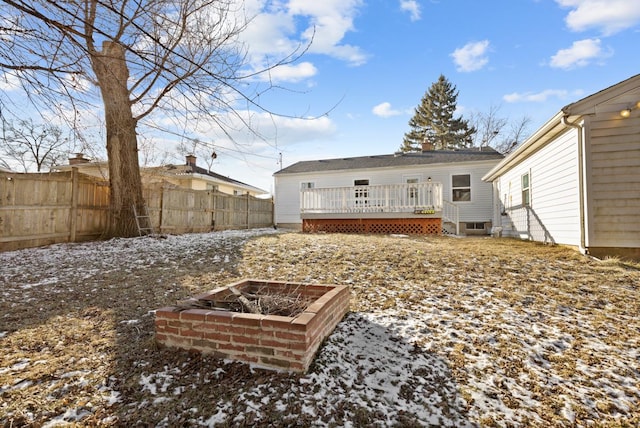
371	62
368	63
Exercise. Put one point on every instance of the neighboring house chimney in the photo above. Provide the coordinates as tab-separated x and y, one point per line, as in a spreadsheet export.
427	146
78	159
191	160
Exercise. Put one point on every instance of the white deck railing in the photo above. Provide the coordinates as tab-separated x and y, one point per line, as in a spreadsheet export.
451	214
392	198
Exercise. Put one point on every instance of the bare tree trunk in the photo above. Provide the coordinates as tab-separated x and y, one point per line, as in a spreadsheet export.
125	183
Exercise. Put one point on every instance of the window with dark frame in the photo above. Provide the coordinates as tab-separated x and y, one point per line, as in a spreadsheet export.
461	187
306	185
475	226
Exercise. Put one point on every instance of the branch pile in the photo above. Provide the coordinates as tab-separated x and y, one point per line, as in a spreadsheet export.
264	301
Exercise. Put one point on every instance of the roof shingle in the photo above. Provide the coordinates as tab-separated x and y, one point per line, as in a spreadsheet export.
396	160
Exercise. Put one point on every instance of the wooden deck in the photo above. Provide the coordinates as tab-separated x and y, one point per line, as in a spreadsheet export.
411	208
394	198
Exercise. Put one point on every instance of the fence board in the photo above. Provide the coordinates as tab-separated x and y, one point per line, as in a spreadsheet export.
43	209
176	210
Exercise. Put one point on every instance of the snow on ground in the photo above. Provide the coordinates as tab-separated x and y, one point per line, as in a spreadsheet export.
52	264
455	353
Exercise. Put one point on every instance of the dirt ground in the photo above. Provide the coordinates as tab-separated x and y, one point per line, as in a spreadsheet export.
442	332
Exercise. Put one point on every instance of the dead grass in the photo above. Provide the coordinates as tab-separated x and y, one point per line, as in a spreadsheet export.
81	338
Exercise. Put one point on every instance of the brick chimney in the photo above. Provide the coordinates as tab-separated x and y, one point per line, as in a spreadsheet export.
78	159
191	160
427	146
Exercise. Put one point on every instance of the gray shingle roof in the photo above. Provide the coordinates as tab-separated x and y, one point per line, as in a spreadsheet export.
194	169
395	160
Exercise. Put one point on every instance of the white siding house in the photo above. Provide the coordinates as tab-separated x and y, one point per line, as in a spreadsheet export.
453	180
581	173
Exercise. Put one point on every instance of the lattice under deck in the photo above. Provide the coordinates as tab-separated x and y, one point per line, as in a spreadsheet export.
407	226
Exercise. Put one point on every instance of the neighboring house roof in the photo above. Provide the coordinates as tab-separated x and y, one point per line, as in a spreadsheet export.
188	170
560	122
430	157
192	170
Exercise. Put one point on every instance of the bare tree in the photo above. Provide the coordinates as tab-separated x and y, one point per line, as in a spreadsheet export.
149	153
498	132
180	57
488	126
32	146
519	131
206	152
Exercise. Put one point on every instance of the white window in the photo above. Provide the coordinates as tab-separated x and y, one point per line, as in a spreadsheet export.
526	190
361	191
461	187
412	191
307	185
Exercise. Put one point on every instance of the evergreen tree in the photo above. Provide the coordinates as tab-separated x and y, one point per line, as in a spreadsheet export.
434	123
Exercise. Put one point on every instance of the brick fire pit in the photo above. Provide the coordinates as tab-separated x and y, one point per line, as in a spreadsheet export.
271	341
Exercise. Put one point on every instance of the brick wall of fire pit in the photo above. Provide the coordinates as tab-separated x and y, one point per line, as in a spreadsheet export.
272	341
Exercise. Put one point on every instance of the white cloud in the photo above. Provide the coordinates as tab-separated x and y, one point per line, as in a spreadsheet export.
329	21
292	73
412	7
535	97
265	129
609	16
9	82
384	110
278	29
472	56
270	33
580	54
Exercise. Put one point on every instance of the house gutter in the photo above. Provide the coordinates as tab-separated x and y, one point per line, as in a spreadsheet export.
531	145
564	120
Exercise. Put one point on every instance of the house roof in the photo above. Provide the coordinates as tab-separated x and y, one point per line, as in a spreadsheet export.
194	169
569	114
588	104
430	157
174	170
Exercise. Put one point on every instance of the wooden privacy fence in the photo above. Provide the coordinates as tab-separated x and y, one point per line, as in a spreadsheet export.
176	210
43	209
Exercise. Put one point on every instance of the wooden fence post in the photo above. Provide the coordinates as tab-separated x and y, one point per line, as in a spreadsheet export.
248	213
273	211
73	212
161	203
211	203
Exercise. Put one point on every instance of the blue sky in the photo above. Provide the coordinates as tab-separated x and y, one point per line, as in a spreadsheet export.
371	61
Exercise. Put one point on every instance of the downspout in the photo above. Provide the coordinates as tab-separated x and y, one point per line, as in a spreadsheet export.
497	212
580	130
